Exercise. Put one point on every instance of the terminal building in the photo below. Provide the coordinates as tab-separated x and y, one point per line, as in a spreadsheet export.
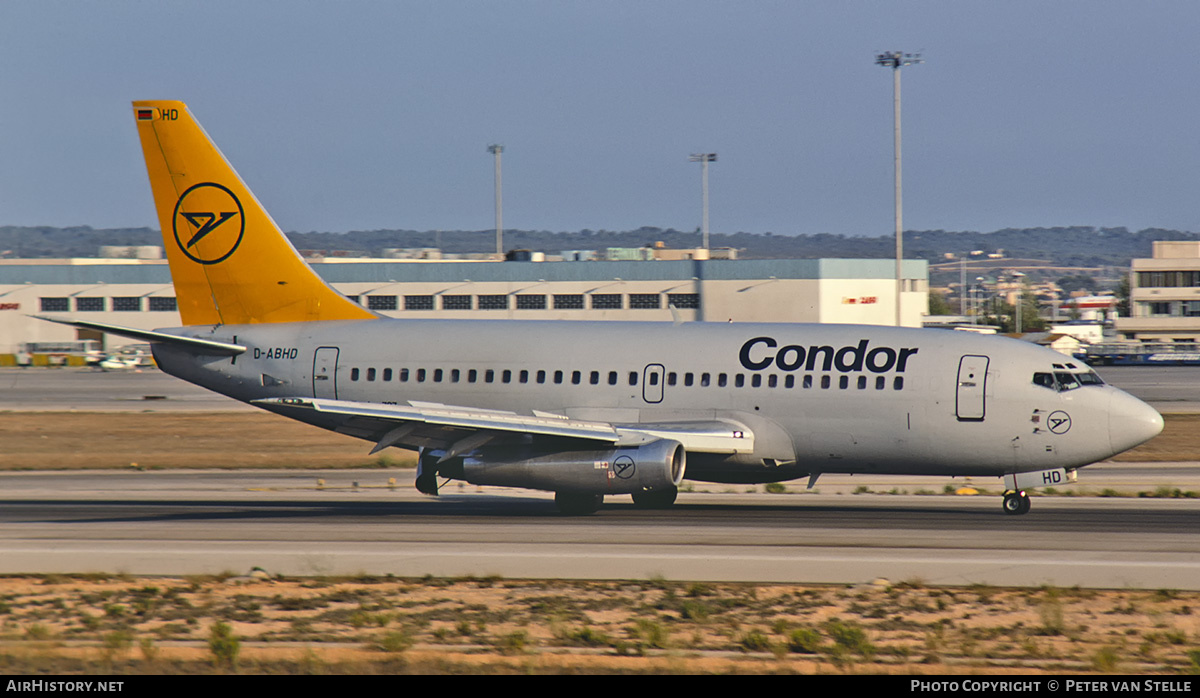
138	293
1164	295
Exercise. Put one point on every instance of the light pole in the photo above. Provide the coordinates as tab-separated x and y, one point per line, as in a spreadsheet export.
1020	279
978	297
496	150
897	60
703	159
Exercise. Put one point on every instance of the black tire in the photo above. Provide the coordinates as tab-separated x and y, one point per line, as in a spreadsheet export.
575	504
655	499
1015	503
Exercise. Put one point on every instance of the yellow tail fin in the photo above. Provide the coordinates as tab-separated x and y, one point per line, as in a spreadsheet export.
230	262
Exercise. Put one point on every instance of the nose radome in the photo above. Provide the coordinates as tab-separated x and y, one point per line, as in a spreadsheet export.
1131	421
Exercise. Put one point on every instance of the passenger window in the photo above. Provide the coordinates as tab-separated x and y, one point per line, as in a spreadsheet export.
506	376
844	382
612	377
824	382
722	380
420	375
558	376
594	378
789	381
437	375
633	377
387	374
880	382
772	380
808	381
455	374
688	379
524	376
705	379
489	376
898	384
862	382
739	380
472	376
404	375
370	374
670	379
354	374
653	379
576	376
541	376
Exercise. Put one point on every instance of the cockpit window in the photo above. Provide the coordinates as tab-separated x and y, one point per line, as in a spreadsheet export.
1066	381
1063	381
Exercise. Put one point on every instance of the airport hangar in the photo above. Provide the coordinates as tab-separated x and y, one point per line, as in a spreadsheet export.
138	292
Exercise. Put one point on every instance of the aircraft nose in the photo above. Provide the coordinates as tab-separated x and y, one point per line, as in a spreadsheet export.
1131	421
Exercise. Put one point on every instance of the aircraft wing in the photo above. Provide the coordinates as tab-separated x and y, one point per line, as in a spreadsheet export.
457	430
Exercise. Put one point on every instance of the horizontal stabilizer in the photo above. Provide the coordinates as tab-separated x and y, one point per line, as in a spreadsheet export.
193	344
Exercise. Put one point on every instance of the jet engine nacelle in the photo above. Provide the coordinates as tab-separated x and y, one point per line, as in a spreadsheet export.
656	465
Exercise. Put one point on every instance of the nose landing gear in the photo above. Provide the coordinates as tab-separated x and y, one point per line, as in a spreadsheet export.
1016	503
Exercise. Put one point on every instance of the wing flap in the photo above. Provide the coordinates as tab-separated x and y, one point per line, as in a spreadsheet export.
438	426
452	428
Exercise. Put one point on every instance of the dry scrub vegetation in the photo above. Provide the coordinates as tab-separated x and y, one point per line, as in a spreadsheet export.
95	623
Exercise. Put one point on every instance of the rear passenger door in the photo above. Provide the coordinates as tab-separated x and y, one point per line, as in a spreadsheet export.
325	373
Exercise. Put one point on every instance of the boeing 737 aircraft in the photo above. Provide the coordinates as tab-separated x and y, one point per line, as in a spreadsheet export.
588	409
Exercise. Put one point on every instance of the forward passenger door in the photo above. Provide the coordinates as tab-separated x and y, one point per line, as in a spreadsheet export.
970	400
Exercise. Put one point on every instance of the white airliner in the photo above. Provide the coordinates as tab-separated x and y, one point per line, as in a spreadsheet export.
587	409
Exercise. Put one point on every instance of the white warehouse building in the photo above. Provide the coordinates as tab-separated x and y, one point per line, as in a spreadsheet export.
138	292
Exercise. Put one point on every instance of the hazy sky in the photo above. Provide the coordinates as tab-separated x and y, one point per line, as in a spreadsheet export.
364	115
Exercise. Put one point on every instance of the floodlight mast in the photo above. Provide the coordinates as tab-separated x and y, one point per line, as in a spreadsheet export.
897	60
703	159
496	149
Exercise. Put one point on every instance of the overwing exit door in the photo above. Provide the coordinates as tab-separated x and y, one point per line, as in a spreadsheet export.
652	383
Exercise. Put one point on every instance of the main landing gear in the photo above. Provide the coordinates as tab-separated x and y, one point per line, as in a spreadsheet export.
1016	503
577	504
655	499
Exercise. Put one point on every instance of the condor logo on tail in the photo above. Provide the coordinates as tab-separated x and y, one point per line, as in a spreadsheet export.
200	223
757	355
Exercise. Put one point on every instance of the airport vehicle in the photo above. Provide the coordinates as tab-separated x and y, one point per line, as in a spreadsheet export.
128	359
589	409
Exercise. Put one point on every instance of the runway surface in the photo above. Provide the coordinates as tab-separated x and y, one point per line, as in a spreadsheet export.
173	523
93	390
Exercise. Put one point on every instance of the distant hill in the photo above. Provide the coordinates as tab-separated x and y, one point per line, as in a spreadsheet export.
1072	246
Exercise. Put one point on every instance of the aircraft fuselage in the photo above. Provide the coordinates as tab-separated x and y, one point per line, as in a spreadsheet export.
818	398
